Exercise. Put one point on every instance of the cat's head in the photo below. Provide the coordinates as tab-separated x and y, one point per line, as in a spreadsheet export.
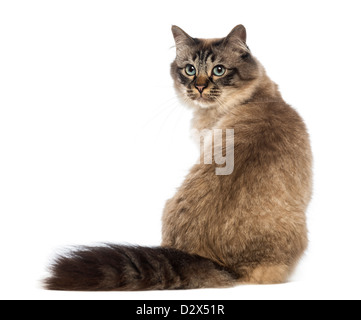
212	72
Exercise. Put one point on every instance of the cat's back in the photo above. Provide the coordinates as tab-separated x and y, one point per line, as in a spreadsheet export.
272	150
260	121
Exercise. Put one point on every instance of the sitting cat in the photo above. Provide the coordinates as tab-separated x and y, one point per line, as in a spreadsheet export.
247	226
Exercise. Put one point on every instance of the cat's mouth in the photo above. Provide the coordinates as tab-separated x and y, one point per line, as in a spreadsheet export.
204	99
207	97
201	97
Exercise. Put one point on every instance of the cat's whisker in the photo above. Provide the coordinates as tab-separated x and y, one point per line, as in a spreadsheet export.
222	105
225	108
179	116
163	107
174	107
240	217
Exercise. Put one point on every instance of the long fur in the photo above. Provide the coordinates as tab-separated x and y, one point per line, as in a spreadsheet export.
218	231
126	268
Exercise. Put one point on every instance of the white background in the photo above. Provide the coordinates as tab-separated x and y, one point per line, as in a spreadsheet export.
93	140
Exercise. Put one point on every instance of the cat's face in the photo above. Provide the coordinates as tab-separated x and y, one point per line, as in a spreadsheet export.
210	73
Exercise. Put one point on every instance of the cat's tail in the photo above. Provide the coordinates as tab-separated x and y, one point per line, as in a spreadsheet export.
126	268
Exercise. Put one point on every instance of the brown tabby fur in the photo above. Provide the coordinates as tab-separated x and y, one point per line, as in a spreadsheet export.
219	231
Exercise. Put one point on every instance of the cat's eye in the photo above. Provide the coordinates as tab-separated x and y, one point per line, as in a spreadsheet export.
219	71
190	70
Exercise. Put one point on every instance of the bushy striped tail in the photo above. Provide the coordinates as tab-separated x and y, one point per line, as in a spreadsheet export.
126	268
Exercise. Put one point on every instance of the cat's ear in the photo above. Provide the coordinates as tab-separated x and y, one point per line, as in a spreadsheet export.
181	38
238	33
236	41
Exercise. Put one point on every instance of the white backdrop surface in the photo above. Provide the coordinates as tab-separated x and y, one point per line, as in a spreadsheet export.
93	140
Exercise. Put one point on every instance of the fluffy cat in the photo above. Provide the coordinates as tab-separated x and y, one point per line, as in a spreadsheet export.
218	230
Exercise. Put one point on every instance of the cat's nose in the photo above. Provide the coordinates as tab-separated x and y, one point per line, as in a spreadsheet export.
200	88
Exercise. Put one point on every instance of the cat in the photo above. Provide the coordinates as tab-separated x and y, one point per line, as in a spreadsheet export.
246	227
